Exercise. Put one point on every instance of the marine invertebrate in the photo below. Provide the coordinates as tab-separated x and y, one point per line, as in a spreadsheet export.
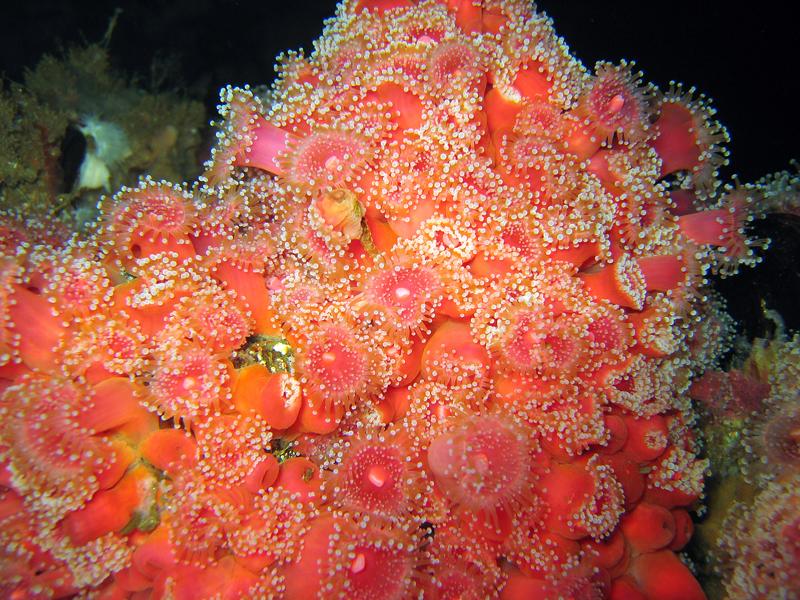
750	421
763	543
376	473
614	104
426	325
485	467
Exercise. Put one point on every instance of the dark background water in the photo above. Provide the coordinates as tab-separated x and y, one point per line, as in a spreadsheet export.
744	57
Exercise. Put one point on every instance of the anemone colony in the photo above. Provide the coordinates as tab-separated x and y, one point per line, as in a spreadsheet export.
751	421
425	326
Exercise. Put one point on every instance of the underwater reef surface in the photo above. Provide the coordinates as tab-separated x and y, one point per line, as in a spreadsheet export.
428	324
74	129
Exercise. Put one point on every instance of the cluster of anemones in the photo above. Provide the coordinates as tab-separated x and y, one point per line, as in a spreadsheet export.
424	327
751	419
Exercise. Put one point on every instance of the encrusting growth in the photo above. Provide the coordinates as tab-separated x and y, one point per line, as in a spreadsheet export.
423	328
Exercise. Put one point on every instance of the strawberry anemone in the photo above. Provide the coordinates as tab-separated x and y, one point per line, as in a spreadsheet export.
540	119
663	273
687	138
336	367
245	138
33	332
376	474
151	287
486	466
779	435
269	531
273	397
404	193
9	275
362	558
47	437
461	573
153	218
583	499
452	357
74	284
192	520
724	227
621	283
549	347
325	159
406	294
215	318
457	61
103	346
27	570
611	336
187	382
422	328
239	265
231	447
615	104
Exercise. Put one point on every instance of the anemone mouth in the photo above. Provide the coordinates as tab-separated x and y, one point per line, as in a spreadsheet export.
336	365
272	530
187	382
405	194
641	215
458	579
408	293
531	156
375	560
77	287
325	160
540	119
118	346
610	334
518	236
55	442
163	213
375	476
483	466
548	347
616	103
248	251
424	28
